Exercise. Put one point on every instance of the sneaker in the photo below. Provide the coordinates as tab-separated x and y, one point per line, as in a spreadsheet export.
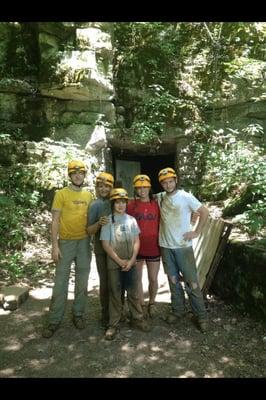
141	324
202	326
110	333
49	330
78	322
151	310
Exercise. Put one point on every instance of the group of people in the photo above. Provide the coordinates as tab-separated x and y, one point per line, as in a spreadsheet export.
127	234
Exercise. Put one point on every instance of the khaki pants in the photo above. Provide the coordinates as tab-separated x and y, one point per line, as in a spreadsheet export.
80	252
101	263
115	294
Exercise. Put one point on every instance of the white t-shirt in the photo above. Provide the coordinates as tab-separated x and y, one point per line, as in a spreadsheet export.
121	234
175	218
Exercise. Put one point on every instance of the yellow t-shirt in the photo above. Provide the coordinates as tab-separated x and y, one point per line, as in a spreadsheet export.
73	216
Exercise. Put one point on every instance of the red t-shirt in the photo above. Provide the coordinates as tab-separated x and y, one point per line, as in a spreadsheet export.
147	215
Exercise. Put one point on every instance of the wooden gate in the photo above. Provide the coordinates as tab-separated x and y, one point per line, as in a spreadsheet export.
208	249
125	172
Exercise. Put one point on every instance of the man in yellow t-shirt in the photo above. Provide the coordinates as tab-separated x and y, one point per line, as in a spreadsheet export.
70	242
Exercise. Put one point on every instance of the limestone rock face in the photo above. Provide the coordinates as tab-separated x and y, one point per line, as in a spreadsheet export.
69	89
98	139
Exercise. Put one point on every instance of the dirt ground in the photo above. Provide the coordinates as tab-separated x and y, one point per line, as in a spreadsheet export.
233	347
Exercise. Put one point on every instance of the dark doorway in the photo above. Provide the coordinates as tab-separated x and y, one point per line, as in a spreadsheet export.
149	165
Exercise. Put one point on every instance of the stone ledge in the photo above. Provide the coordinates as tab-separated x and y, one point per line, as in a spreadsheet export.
11	297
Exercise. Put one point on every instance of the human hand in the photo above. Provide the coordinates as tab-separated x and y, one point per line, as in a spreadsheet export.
190	235
123	264
56	253
129	264
103	220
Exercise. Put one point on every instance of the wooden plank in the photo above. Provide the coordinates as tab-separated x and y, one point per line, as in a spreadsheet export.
217	258
205	247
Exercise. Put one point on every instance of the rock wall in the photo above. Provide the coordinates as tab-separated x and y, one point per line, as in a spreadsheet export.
56	80
242	102
241	277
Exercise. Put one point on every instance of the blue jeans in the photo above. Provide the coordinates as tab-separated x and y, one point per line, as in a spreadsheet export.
182	260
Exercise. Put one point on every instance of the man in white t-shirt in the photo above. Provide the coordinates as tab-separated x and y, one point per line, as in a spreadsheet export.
175	239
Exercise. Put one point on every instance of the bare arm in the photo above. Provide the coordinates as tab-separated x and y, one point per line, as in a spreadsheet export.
56	254
203	215
112	254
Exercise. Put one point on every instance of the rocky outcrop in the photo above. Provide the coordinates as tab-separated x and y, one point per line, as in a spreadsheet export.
68	90
242	101
241	277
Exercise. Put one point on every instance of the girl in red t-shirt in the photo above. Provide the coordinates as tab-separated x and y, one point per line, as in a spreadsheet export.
147	213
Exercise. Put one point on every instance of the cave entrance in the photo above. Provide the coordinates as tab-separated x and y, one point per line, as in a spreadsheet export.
126	165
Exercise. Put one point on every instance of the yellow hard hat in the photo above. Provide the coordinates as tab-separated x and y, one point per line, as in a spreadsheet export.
141	181
118	193
166	173
105	177
76	165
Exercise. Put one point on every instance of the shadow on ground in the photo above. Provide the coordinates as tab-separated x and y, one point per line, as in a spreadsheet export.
234	345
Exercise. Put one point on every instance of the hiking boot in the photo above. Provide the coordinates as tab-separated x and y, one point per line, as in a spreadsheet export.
141	324
104	323
173	318
110	333
152	310
49	330
124	313
78	322
144	311
203	326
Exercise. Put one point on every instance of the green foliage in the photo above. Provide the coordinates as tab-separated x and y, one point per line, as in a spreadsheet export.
12	220
166	73
236	172
23	189
169	74
11	265
158	107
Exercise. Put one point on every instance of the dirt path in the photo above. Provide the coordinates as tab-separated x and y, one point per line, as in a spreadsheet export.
233	347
